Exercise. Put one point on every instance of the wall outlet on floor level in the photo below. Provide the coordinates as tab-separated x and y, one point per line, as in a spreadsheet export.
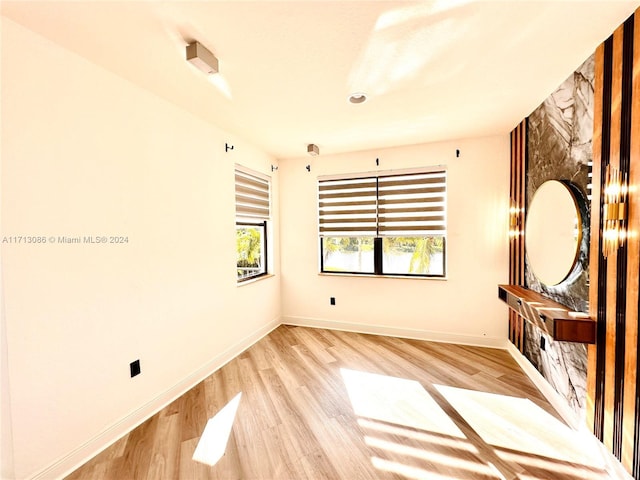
332	300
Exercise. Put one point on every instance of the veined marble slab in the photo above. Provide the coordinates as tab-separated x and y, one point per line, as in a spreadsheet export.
560	138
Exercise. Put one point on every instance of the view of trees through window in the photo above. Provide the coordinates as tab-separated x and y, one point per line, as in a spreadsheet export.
413	255
250	250
422	255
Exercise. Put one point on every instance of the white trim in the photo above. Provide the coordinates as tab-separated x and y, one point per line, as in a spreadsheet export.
389	331
611	464
383	173
255	279
70	462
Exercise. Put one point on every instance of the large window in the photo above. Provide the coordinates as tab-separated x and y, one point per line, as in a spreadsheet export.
252	216
391	224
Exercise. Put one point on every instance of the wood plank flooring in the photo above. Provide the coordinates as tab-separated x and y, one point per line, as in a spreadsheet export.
322	404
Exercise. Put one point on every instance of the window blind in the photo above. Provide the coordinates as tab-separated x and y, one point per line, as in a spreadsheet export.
348	207
387	205
252	195
412	205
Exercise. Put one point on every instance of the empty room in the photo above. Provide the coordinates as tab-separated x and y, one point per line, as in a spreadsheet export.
315	239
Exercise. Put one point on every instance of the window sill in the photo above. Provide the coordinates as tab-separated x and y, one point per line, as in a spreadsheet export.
371	275
254	280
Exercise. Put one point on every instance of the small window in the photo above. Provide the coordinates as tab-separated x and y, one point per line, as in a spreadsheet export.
252	217
391	224
251	247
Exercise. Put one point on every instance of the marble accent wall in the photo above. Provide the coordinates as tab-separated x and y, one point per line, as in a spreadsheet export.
560	133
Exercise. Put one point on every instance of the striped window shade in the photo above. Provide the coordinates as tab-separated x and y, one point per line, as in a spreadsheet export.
252	195
394	205
348	207
412	205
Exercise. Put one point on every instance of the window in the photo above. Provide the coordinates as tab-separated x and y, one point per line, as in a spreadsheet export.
252	215
391	224
251	247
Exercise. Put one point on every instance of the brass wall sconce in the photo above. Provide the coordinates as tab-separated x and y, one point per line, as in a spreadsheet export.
515	223
614	229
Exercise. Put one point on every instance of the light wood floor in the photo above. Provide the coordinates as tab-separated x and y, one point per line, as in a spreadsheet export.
321	404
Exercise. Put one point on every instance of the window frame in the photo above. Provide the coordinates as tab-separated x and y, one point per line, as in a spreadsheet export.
378	252
378	239
264	246
253	208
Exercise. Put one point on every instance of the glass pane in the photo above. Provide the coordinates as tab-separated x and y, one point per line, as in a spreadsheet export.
413	255
250	250
347	254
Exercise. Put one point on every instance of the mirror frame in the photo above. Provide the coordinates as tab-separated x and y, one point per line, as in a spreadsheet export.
580	217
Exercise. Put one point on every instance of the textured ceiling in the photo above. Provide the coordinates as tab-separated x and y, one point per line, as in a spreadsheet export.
433	70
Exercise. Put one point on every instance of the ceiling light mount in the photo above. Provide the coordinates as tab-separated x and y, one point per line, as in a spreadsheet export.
313	150
202	58
357	98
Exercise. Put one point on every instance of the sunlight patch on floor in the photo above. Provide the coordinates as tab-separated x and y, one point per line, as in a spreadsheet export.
518	427
445	460
215	436
396	400
411	435
409	471
421	436
581	471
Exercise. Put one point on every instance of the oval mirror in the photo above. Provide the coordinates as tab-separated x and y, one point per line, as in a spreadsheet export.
553	232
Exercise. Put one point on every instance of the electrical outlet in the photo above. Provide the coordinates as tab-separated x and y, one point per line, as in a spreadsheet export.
134	367
332	300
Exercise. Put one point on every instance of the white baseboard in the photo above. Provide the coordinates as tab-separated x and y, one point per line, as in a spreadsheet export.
104	439
480	341
611	463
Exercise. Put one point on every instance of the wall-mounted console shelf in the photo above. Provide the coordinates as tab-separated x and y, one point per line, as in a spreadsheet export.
551	317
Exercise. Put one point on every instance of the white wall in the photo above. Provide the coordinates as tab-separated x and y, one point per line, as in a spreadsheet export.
6	434
85	152
465	307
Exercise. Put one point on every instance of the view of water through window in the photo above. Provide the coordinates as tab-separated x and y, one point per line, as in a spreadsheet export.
401	255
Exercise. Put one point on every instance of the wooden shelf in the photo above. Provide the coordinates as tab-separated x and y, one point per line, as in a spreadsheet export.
553	318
